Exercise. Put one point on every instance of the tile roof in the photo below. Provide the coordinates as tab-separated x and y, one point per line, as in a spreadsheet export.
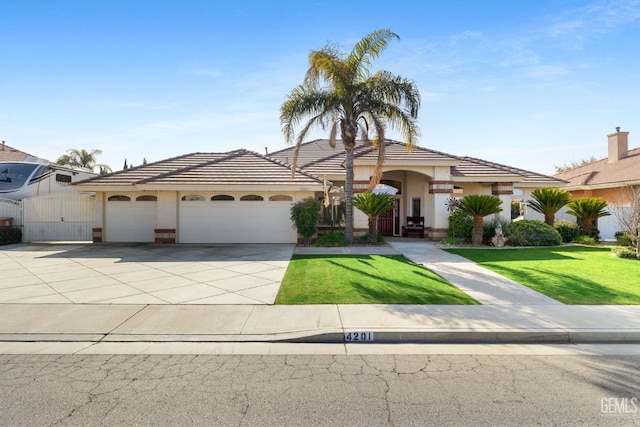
602	174
10	154
476	168
318	157
235	167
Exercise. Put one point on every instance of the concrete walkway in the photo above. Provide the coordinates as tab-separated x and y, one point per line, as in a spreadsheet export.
485	286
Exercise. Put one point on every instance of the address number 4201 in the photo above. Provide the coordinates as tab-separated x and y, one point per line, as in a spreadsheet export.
358	336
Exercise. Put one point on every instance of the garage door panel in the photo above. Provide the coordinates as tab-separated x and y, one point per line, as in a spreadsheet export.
129	221
235	222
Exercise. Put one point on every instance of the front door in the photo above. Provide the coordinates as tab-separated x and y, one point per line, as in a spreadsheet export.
389	222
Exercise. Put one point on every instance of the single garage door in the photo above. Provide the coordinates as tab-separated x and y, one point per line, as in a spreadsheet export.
131	218
235	218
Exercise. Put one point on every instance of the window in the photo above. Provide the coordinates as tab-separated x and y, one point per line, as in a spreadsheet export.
119	198
146	198
415	206
222	197
251	198
280	198
63	178
193	198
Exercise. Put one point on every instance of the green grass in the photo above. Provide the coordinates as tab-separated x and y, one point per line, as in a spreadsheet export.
364	279
569	274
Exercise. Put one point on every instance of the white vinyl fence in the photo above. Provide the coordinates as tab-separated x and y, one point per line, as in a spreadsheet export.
58	217
11	209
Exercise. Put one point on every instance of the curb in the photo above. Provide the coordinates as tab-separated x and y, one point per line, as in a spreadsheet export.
505	336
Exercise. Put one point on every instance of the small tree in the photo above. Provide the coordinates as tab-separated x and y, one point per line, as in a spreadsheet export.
373	205
587	210
548	201
479	206
304	215
627	213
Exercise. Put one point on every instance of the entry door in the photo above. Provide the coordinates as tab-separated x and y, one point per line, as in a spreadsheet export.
389	222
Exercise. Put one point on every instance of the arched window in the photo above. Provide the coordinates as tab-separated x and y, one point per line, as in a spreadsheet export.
280	198
251	198
193	198
119	198
222	197
146	198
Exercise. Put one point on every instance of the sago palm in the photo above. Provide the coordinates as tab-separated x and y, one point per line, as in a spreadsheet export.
340	93
373	205
548	201
587	210
478	206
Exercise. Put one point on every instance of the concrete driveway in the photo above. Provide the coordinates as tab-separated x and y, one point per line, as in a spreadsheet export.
142	273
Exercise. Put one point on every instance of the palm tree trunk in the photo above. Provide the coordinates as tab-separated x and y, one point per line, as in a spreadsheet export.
549	218
348	195
373	230
476	236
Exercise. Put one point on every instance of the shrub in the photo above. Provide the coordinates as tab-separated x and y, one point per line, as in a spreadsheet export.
623	252
489	229
454	241
517	237
332	239
568	230
460	225
365	239
304	215
623	238
584	240
537	233
10	235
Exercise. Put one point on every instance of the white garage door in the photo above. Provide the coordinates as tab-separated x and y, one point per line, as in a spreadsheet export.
130	218
237	218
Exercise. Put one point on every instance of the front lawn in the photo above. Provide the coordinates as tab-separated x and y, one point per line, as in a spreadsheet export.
364	279
569	274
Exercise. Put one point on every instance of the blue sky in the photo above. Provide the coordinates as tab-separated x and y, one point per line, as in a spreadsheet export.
531	84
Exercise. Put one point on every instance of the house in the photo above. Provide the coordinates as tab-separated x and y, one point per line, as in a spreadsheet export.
10	154
245	197
234	197
606	178
426	180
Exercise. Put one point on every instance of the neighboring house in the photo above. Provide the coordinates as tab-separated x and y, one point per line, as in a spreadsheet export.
242	196
10	154
606	178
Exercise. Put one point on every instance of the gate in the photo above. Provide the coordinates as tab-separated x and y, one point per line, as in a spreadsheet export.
58	217
11	209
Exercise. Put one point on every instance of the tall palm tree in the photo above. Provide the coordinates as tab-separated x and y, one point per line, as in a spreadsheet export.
478	206
587	210
83	159
339	92
373	205
548	201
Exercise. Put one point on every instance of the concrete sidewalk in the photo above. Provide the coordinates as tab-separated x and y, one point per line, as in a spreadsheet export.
319	323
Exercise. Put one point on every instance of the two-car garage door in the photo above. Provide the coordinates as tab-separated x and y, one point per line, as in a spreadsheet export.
204	218
236	218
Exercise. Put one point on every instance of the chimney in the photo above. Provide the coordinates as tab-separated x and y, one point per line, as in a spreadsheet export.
618	146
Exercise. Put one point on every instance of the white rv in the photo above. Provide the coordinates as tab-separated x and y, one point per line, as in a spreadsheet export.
33	177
